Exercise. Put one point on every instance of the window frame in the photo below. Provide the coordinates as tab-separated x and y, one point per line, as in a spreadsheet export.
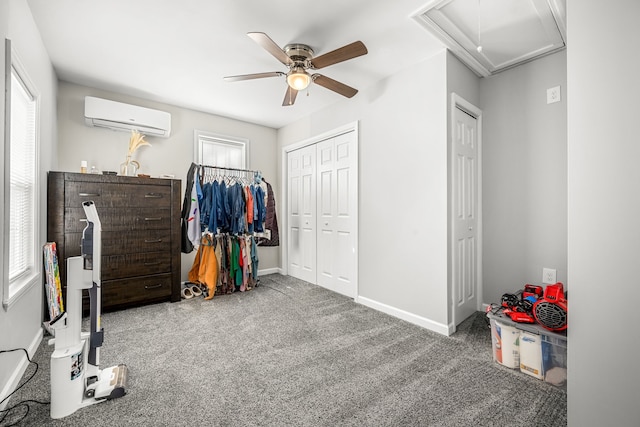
14	289
201	137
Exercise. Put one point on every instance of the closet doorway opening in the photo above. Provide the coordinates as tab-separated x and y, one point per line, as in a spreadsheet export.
320	178
466	209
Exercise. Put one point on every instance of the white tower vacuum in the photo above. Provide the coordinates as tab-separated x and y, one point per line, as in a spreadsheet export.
76	378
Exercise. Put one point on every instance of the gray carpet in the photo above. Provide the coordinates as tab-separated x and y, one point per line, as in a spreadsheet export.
289	353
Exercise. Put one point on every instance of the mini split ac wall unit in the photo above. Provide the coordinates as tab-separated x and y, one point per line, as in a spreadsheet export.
125	117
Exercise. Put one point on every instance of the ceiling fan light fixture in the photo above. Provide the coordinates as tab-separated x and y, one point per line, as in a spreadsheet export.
298	78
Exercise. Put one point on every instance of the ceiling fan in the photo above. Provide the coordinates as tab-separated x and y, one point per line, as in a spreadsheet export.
299	58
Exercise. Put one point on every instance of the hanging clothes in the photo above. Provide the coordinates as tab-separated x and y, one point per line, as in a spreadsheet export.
224	215
254	261
249	209
271	221
193	212
205	266
186	245
214	217
260	210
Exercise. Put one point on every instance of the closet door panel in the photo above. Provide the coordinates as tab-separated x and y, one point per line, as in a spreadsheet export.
344	259
294	219
308	225
326	212
345	217
337	190
302	214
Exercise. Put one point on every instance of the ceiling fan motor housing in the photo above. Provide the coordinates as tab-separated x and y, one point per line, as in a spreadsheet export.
299	52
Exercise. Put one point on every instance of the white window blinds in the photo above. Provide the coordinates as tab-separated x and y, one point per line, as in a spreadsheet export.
22	166
222	151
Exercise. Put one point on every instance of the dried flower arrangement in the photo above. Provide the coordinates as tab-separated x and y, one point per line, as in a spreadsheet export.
136	141
130	167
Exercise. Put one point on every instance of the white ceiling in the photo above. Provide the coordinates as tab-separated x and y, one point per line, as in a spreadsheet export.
177	52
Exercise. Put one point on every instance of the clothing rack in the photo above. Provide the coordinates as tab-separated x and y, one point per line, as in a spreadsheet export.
229	169
235	172
199	213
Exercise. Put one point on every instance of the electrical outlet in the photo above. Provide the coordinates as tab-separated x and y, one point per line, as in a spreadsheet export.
549	276
553	95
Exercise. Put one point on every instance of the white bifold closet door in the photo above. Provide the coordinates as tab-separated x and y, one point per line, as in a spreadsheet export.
332	192
302	213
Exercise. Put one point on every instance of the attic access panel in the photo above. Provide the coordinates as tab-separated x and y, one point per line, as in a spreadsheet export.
510	32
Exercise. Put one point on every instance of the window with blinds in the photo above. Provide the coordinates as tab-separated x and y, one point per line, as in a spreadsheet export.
217	150
21	172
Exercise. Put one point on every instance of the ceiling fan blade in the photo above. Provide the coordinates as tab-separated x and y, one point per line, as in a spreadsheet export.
344	53
334	85
289	97
253	76
270	46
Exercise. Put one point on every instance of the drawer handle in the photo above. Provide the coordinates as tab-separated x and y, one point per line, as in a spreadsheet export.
157	218
156	286
153	196
152	263
152	240
88	194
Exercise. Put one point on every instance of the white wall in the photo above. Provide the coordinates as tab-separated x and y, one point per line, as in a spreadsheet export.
20	323
107	149
403	189
404	181
524	176
462	81
603	211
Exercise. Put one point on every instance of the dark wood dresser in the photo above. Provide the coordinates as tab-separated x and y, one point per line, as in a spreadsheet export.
140	220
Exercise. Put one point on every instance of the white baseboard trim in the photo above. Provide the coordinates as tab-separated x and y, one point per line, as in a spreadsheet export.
20	369
405	315
451	329
269	271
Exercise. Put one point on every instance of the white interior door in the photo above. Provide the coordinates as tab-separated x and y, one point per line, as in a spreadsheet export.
301	196
465	185
337	213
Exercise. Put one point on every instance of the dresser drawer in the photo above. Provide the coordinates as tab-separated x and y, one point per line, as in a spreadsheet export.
111	195
115	243
136	290
121	219
132	265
